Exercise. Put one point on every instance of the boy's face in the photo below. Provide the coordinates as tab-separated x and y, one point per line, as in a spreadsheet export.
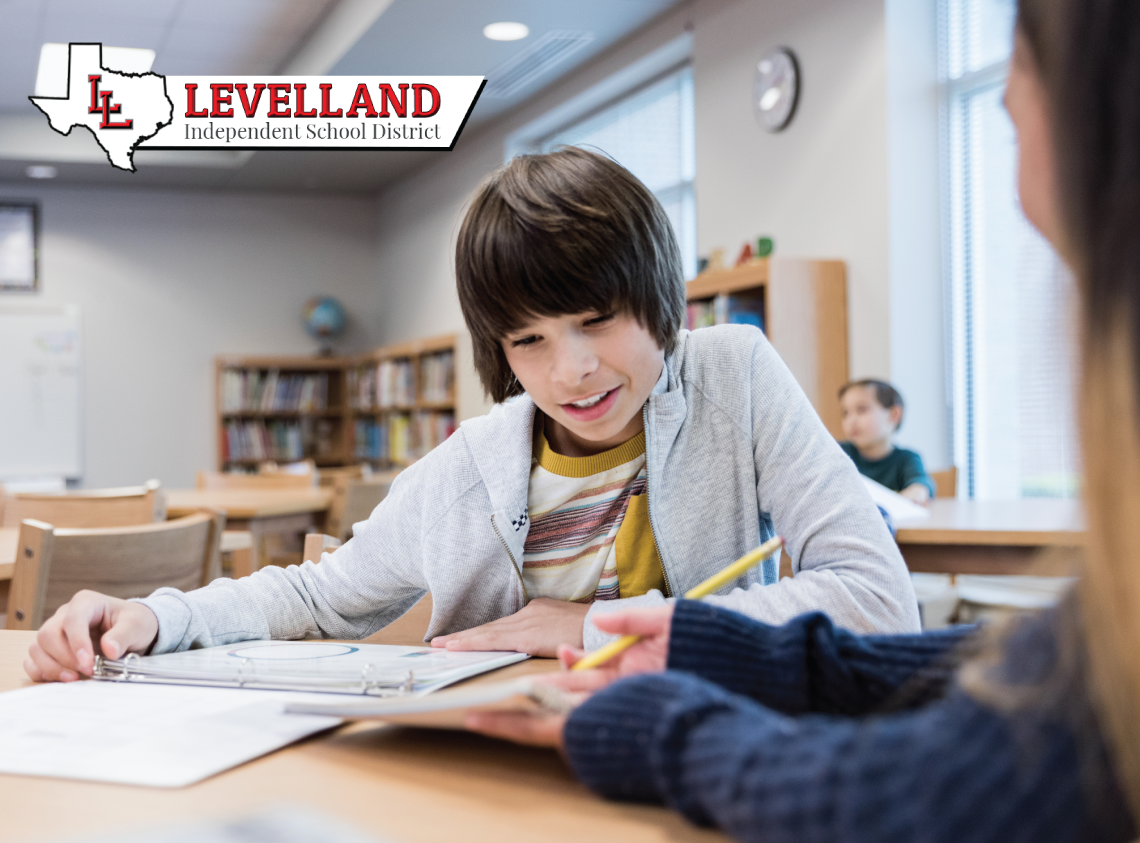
589	373
866	422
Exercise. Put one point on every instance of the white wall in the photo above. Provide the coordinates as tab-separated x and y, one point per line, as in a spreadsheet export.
166	281
819	188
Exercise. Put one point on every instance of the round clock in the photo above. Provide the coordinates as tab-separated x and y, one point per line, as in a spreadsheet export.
776	89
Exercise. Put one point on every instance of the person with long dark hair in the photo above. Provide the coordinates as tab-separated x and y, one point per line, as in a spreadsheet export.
804	732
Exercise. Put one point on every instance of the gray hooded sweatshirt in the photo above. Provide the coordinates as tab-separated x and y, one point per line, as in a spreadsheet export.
734	452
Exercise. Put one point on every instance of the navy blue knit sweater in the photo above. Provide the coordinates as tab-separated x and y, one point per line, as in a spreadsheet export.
807	733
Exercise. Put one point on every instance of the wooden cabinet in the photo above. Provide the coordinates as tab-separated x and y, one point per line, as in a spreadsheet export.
803	312
387	407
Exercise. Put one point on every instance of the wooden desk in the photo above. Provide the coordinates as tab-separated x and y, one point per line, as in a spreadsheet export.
993	537
403	785
261	511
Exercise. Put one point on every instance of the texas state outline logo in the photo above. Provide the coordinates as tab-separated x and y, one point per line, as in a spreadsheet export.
130	111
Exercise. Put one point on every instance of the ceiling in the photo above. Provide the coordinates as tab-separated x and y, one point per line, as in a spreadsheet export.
335	37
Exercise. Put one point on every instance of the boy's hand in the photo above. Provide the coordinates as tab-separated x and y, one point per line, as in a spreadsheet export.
538	628
916	492
89	623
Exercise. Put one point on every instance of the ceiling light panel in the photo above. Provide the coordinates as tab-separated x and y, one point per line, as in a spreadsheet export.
506	31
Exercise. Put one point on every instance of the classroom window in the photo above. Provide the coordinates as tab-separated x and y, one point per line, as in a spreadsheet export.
1009	295
651	133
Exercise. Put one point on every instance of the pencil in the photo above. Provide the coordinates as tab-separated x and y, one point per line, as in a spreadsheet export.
744	563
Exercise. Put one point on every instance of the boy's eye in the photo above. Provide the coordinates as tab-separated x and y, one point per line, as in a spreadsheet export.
600	320
528	340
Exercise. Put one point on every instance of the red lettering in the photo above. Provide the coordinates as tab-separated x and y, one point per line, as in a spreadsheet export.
190	112
299	111
325	88
250	110
220	101
94	80
361	100
419	89
279	95
108	110
387	95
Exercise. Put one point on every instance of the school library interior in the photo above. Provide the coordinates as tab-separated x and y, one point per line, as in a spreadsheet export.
369	490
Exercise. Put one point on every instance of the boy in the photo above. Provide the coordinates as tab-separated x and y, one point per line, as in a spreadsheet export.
635	460
872	414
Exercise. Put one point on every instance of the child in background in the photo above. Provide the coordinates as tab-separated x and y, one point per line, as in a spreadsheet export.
872	414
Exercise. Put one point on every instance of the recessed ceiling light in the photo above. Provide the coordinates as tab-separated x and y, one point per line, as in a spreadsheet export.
51	76
506	31
41	171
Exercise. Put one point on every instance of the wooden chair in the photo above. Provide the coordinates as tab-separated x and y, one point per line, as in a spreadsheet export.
273	480
316	544
409	629
52	564
354	500
945	482
123	507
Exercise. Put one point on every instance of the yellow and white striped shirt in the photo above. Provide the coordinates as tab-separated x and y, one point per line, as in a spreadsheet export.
590	537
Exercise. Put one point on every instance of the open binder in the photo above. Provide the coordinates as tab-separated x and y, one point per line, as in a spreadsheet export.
375	670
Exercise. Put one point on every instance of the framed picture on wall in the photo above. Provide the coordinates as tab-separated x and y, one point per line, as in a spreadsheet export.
19	247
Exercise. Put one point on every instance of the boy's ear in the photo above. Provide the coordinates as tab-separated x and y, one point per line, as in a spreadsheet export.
896	414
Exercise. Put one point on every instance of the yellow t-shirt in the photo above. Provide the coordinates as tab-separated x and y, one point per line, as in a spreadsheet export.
590	537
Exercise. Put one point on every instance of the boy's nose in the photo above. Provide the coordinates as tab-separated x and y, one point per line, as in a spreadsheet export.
575	362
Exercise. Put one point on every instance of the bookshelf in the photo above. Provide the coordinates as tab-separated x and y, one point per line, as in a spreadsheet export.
800	304
387	407
401	401
280	408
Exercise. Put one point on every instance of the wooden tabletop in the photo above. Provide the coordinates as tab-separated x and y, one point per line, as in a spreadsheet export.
245	504
403	785
1040	522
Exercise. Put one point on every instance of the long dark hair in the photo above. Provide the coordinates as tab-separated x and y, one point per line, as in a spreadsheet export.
1087	53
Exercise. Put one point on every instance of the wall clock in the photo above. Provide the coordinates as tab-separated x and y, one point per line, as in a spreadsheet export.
776	89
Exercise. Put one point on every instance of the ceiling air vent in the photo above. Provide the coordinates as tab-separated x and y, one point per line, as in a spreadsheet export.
535	61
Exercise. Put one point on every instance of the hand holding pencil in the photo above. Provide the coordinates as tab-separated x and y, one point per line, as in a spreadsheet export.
740	566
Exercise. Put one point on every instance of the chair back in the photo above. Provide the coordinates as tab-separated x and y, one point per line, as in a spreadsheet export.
53	564
273	480
316	544
122	507
945	482
354	501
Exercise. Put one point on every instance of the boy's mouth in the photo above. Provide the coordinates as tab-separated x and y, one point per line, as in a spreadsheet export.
591	408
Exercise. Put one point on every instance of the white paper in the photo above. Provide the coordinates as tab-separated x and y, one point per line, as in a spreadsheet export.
898	507
153	735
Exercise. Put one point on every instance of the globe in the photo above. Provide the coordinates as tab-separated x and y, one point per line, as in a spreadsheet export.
324	318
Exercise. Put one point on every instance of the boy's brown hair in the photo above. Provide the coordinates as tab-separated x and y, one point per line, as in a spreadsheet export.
887	396
567	232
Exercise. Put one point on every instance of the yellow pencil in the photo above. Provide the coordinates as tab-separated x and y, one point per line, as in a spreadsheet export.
744	563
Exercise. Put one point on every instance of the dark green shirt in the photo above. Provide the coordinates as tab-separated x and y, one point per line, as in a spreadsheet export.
897	470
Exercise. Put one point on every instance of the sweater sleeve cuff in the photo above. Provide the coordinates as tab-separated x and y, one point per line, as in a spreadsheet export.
625	742
593	638
173	619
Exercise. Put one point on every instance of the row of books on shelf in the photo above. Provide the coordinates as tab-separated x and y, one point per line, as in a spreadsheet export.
726	310
402	437
392	383
254	390
284	441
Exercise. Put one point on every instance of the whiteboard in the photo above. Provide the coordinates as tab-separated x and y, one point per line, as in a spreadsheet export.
40	424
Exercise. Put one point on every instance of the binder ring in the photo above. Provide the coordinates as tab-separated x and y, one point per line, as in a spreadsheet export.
409	683
241	677
131	659
98	666
366	682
